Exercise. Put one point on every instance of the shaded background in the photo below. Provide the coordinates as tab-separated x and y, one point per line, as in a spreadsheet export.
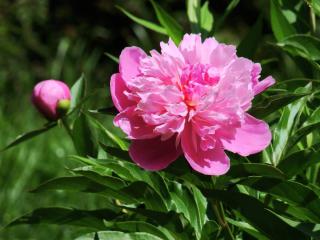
58	39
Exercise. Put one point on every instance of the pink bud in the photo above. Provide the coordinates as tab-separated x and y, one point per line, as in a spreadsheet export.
46	97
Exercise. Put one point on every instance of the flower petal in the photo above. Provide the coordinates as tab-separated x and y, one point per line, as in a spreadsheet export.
129	62
134	125
117	89
213	161
154	154
253	136
263	85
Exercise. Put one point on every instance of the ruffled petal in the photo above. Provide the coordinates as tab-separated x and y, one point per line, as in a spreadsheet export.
117	89
134	125
213	161
129	62
263	85
154	154
252	137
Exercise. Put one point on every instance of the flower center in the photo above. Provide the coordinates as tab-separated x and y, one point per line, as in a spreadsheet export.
196	83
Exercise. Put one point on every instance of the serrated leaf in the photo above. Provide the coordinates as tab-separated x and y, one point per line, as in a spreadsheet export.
280	26
257	214
173	28
29	135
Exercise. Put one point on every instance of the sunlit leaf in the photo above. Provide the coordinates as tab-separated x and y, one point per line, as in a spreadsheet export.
280	26
150	25
257	214
172	27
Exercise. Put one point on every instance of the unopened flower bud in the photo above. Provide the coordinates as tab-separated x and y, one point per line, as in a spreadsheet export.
51	98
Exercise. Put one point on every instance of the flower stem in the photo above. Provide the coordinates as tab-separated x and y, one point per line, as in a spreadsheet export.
67	127
219	212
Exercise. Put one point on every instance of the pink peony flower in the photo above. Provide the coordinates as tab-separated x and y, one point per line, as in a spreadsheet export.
50	96
191	100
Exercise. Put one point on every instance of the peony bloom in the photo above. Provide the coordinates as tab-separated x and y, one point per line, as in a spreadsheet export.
51	98
191	100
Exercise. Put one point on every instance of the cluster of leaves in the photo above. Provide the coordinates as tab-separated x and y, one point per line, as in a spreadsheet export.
273	195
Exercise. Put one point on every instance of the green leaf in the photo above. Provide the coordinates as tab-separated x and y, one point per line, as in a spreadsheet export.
310	125
209	230
107	110
109	135
255	169
29	135
299	161
116	152
193	11
67	216
114	235
71	183
139	226
251	41
206	20
150	25
280	26
283	130
82	137
315	5
112	57
302	45
200	17
173	29
294	193
257	214
78	91
247	228
272	103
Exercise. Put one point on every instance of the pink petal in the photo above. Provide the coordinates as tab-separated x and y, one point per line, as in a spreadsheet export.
213	161
133	125
263	85
190	48
154	154
117	88
252	137
129	62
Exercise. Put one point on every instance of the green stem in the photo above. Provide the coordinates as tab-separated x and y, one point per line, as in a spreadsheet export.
313	21
219	212
67	127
